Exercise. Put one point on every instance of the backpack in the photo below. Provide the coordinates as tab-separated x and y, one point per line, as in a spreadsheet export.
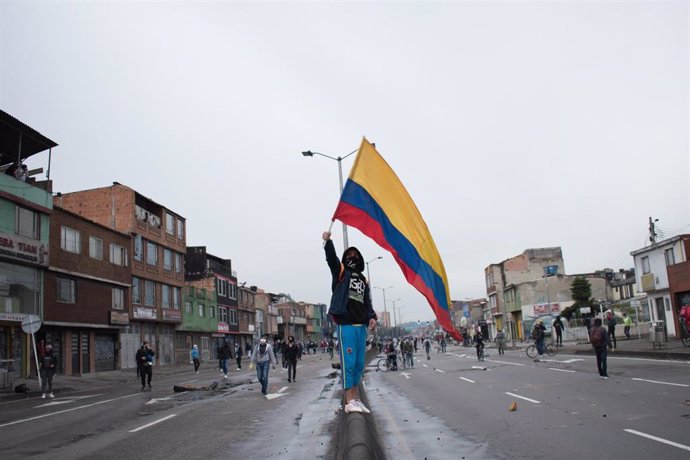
597	337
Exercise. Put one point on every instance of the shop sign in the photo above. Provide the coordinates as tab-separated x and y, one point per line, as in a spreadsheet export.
144	313
222	327
172	315
546	308
13	316
23	249
119	318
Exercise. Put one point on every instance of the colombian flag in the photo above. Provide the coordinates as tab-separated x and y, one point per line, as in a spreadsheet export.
376	202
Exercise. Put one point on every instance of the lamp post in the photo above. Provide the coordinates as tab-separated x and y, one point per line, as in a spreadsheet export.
385	310
367	263
309	153
395	320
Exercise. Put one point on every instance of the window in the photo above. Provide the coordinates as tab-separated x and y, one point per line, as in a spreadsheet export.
95	248
118	255
138	248
27	223
233	291
169	224
165	295
66	290
69	240
202	310
222	314
211	312
188	307
177	295
670	258
645	265
150	293
136	291
222	287
232	316
178	263
118	299
151	253
167	259
180	228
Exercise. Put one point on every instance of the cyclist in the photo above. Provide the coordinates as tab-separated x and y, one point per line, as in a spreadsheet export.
392	357
427	347
479	343
538	333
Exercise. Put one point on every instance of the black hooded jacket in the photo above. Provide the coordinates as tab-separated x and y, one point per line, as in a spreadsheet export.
342	308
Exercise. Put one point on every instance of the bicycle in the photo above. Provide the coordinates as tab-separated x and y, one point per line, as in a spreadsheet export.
549	349
386	363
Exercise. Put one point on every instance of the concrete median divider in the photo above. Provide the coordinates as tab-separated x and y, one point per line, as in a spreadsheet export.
358	436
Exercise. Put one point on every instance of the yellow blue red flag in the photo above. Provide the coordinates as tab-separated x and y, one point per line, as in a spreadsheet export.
376	203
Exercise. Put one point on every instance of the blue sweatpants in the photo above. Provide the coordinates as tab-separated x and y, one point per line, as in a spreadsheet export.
353	345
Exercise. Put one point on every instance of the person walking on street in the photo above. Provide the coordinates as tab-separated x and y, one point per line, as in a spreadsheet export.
627	322
262	357
223	356
48	363
587	321
601	342
352	311
611	323
290	356
194	355
501	342
427	347
238	356
248	350
479	343
144	358
558	327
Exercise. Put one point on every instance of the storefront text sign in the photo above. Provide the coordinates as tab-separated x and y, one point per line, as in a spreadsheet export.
26	250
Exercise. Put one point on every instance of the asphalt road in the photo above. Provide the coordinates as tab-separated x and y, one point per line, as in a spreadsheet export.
115	420
455	407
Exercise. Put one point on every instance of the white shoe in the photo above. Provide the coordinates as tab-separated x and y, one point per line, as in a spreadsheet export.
43	396
362	406
239	369
225	376
352	406
51	395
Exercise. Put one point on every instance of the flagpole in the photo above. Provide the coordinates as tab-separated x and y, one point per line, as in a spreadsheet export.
329	231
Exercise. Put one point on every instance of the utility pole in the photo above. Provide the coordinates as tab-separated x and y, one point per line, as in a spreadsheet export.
652	230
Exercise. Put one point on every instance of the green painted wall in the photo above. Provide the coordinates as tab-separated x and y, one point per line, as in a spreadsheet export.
194	322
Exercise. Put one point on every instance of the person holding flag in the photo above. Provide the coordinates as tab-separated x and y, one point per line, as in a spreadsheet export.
352	311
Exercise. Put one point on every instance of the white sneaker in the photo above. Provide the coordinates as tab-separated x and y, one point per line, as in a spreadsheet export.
352	406
43	396
51	395
362	406
225	376
239	369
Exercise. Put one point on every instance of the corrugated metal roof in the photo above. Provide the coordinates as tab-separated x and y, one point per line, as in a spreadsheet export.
32	142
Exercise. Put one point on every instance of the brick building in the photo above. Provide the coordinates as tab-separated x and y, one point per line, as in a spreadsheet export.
86	296
157	263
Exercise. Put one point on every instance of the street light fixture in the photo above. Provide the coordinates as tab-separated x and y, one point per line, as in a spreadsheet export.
367	263
395	321
309	153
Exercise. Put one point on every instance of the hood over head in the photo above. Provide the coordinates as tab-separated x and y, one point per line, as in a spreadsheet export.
359	263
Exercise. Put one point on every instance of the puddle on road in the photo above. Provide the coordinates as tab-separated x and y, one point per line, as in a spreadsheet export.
410	433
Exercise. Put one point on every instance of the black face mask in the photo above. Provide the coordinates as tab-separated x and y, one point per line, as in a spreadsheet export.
351	262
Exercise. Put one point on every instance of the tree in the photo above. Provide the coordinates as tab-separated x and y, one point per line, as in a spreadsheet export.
581	292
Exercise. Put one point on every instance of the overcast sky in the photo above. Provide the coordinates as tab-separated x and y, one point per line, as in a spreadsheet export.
512	124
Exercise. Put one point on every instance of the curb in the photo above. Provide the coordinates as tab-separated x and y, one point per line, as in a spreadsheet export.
640	354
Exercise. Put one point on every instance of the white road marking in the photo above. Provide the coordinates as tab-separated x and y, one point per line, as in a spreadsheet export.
406	375
66	410
505	362
425	365
155	400
467	380
440	370
522	397
274	395
658	361
560	370
153	423
655	438
54	403
663	383
282	389
479	367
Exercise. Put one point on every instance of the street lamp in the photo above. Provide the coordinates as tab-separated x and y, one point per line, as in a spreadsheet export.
367	263
309	153
395	321
385	310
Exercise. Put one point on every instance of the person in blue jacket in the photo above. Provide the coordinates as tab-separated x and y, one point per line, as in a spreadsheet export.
195	358
352	311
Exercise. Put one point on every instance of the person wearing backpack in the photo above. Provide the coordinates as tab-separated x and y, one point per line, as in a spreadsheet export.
600	340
